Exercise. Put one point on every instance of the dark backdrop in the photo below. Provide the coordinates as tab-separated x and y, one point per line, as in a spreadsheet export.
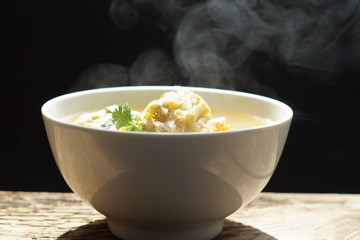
54	47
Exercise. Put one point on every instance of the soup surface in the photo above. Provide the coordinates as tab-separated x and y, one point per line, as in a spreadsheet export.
174	111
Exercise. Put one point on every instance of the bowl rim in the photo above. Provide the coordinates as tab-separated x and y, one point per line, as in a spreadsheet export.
287	116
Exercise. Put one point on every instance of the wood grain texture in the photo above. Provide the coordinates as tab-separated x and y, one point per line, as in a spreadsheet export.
41	215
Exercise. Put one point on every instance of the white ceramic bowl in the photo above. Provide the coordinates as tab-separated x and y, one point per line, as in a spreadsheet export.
165	186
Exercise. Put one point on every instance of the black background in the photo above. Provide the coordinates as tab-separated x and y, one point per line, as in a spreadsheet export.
49	44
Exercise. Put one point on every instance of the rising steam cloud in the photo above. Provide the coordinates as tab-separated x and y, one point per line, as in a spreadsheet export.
213	42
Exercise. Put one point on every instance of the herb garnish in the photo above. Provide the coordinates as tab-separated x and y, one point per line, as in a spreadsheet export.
123	118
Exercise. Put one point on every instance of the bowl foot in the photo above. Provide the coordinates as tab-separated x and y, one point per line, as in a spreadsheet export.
201	231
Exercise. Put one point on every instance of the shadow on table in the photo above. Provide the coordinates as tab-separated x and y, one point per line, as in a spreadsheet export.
93	230
99	230
238	231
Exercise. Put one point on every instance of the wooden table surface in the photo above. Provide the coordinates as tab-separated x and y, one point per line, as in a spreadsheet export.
44	215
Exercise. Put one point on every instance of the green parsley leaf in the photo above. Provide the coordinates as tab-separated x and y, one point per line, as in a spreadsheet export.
122	117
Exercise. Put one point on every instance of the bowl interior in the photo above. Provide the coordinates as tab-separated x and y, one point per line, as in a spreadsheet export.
62	108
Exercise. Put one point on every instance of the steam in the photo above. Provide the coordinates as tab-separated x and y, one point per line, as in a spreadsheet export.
163	14
214	42
154	67
102	75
